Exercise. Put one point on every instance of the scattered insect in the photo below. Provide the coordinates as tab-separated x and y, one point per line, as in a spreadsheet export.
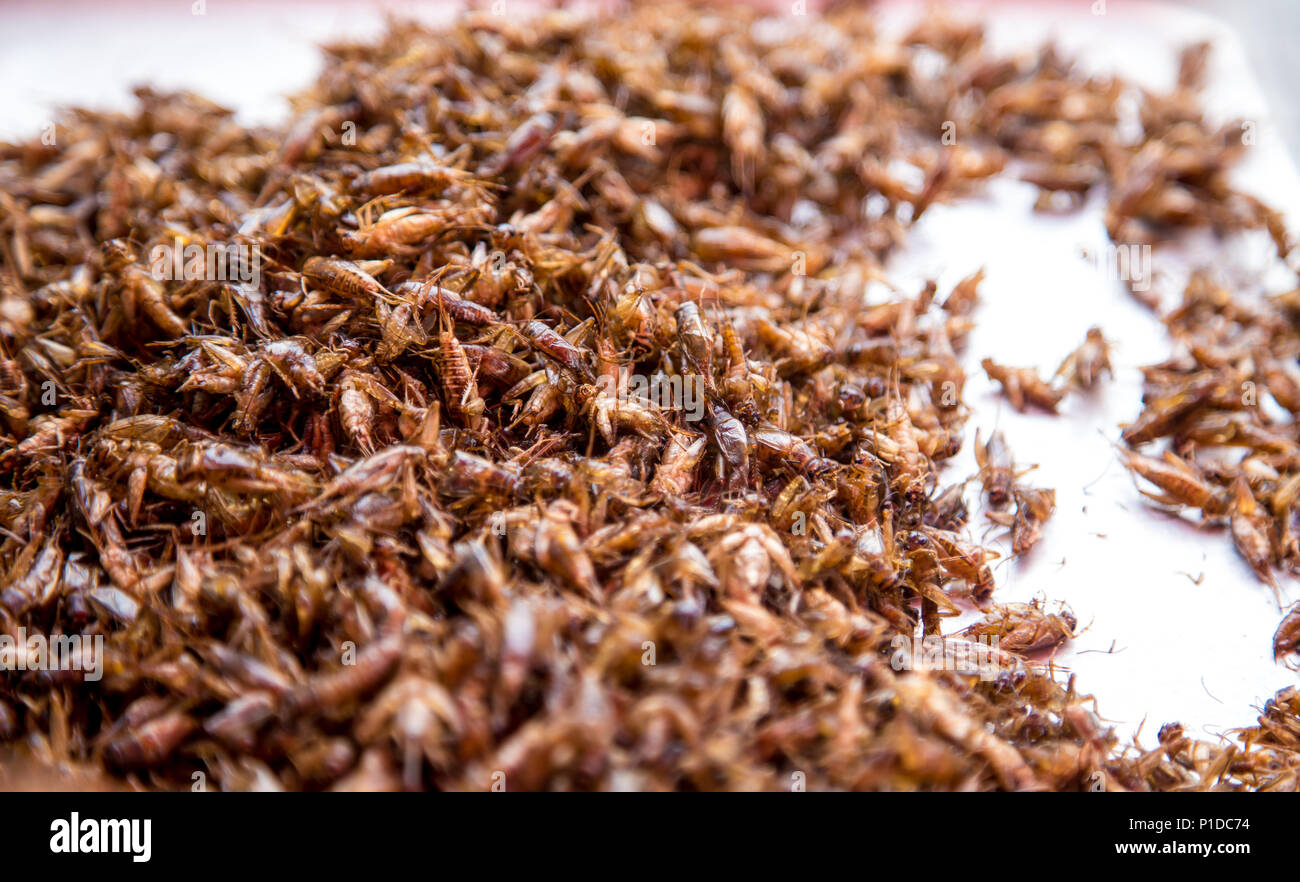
1023	387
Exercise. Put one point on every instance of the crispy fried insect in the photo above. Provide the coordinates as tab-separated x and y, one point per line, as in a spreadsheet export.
1033	507
743	130
470	475
341	277
417	176
95	507
997	470
141	289
431	300
965	561
1025	627
460	388
608	413
1286	641
695	339
676	471
900	447
241	470
1180	482
370	668
772	443
356	410
1023	387
736	386
570	357
1085	365
152	743
1250	533
732	441
381	466
802	350
495	364
400	230
744	560
557	549
1164	411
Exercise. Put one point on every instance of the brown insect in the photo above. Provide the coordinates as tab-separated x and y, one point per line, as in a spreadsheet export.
1181	484
570	357
1023	387
997	470
1287	639
459	383
1084	366
1025	627
420	175
1033	507
341	277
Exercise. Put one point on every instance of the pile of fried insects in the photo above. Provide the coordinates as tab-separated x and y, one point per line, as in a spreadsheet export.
537	431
